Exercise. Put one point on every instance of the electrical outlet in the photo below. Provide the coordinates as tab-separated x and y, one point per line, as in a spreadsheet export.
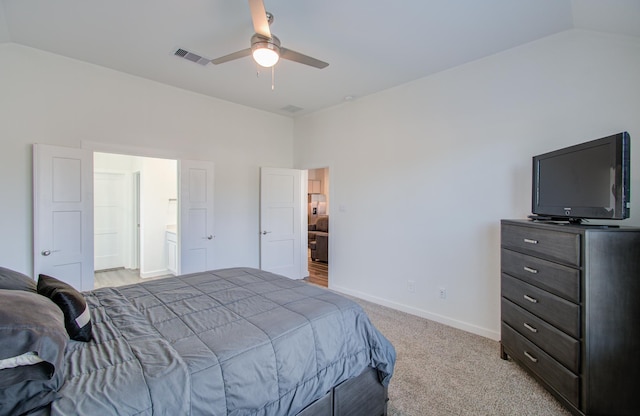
411	285
443	293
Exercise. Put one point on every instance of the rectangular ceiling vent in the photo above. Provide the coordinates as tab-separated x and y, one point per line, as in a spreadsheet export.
291	108
190	56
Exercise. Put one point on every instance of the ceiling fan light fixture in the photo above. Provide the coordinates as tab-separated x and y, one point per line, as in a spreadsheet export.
265	54
265	46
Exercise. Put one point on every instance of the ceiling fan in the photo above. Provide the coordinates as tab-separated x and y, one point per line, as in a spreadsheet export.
265	47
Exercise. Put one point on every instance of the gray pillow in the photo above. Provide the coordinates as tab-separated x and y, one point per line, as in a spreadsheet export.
12	280
30	323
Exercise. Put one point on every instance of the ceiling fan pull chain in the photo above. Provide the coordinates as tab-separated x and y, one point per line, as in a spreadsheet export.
273	78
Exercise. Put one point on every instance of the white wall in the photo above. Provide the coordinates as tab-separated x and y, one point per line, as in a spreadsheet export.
46	98
422	174
158	185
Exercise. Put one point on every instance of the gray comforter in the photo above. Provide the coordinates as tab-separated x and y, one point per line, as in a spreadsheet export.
226	342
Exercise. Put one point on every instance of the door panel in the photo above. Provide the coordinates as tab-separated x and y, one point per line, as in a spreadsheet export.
63	214
67	231
66	180
281	234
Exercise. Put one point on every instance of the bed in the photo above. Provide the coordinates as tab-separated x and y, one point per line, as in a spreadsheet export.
237	341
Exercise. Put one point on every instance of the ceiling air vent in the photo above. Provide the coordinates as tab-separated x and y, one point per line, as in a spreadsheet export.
190	56
291	108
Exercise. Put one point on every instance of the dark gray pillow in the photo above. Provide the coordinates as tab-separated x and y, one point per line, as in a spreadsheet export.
30	323
77	318
12	280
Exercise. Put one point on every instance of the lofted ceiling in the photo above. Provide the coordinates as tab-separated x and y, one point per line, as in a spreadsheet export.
370	45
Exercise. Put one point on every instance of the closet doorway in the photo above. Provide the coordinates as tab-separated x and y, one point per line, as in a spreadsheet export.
318	222
135	212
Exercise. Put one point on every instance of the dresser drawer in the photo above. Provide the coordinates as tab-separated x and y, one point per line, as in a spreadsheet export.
552	245
556	343
559	312
558	279
553	373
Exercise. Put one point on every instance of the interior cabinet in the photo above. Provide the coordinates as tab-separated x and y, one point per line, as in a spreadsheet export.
570	311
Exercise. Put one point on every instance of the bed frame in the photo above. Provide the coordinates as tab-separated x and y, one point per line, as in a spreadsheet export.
362	396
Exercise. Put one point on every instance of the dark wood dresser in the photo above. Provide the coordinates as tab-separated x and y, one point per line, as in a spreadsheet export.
570	311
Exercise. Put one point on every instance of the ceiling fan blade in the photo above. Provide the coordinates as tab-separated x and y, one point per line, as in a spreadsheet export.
259	17
231	56
301	58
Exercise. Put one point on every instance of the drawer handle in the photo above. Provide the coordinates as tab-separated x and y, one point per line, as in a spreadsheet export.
531	357
530	241
530	270
530	328
530	299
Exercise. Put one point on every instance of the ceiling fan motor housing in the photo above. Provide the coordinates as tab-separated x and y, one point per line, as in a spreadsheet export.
259	41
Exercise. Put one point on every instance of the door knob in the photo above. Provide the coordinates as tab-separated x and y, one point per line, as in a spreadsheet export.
45	252
209	237
266	232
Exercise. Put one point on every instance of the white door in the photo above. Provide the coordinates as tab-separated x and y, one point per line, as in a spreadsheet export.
63	214
110	230
281	232
195	216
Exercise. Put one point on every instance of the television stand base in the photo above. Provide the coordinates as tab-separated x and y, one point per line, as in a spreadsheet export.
567	221
549	218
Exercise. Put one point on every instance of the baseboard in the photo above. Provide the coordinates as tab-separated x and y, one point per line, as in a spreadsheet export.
156	273
474	329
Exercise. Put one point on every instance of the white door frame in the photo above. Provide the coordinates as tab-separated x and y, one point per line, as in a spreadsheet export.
328	213
135	220
140	152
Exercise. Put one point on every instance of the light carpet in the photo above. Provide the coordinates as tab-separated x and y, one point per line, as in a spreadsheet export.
444	371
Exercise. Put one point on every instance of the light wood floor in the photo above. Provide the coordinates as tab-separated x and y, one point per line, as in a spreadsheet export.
120	277
318	274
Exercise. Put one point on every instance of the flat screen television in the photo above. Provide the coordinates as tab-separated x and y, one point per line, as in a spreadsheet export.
586	181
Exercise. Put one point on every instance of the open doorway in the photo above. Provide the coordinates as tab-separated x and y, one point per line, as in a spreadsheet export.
135	217
318	221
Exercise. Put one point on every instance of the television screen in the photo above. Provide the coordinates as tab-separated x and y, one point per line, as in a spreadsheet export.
589	180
